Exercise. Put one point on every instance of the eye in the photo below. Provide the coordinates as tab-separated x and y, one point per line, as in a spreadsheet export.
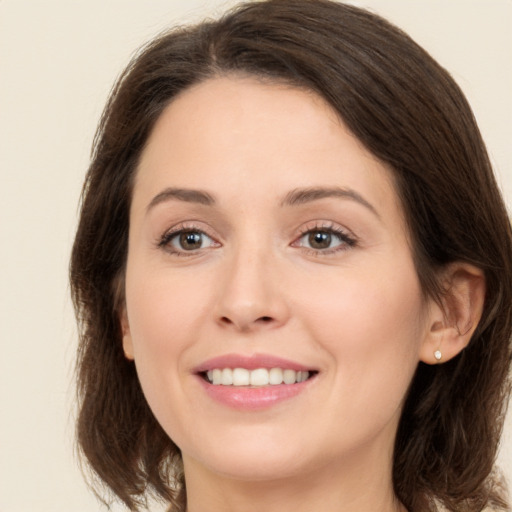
321	240
186	241
325	240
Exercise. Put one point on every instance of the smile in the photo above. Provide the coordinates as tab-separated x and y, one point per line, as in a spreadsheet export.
257	377
253	382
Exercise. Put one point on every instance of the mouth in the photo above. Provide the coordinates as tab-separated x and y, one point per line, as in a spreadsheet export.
258	377
254	382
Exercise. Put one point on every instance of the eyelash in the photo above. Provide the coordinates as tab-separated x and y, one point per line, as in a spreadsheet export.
165	241
346	240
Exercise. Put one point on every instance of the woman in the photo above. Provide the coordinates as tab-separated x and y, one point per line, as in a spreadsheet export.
292	273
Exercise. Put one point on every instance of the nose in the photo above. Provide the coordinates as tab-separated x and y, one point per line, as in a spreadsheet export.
252	296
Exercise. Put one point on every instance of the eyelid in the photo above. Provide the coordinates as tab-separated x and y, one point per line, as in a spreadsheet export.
347	237
326	225
187	226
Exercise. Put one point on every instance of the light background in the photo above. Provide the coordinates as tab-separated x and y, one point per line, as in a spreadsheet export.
58	60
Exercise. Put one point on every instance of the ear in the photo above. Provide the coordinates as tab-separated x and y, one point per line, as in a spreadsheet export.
127	337
452	323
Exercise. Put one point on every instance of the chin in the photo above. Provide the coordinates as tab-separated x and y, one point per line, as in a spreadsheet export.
259	460
258	468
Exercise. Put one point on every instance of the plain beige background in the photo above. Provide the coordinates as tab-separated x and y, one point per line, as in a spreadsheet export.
58	60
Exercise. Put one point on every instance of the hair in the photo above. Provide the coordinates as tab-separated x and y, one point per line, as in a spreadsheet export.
407	111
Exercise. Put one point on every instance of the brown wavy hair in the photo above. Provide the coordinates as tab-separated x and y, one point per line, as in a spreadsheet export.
408	111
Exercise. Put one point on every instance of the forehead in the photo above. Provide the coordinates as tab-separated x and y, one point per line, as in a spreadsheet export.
245	112
239	134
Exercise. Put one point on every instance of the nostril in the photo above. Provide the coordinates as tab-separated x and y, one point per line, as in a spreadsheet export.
245	324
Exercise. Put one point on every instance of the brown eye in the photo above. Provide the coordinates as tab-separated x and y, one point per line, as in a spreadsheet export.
190	240
186	241
319	239
325	240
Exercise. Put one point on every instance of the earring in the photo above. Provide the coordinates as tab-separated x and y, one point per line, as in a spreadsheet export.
438	355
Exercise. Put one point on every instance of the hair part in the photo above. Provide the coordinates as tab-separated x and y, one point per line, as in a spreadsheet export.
409	113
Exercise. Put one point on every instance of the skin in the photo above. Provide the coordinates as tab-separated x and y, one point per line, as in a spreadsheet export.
353	311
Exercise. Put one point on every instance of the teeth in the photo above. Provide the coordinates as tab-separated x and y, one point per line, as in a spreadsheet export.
241	377
258	377
227	377
217	376
275	376
289	376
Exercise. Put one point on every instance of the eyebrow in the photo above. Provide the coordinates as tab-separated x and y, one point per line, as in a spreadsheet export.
182	194
307	195
293	198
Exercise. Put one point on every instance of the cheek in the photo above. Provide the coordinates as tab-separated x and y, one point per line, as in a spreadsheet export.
372	327
164	316
381	326
163	310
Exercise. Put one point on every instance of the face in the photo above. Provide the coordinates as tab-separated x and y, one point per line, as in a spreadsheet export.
268	247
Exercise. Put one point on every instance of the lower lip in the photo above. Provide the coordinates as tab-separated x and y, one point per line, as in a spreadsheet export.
253	398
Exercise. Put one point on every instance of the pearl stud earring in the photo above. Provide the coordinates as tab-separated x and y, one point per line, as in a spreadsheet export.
438	355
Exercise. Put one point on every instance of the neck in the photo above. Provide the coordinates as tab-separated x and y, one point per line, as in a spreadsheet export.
349	487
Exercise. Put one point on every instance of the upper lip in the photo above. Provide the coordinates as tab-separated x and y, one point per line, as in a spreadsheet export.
251	362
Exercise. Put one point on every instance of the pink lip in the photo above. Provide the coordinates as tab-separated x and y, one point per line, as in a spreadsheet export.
251	398
252	362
